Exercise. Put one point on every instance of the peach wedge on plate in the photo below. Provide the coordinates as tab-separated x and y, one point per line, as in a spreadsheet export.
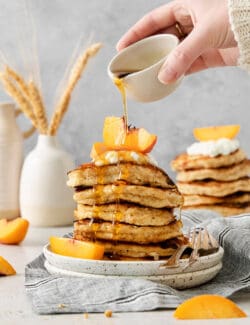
76	248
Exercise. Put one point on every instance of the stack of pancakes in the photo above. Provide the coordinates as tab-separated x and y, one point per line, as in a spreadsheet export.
220	183
127	206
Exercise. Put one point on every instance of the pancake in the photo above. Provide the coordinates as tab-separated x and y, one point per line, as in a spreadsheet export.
91	230
131	214
185	161
163	249
147	196
215	188
192	200
220	174
225	210
89	175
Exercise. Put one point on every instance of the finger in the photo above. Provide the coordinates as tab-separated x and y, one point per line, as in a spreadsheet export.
182	57
230	56
198	65
214	58
171	30
209	59
154	21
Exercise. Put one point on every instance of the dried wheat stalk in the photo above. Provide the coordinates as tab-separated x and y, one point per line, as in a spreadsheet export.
11	73
18	96
74	76
38	107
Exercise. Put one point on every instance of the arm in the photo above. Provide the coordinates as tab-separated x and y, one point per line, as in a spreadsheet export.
239	13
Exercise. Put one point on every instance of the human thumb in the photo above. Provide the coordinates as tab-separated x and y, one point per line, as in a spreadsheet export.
182	57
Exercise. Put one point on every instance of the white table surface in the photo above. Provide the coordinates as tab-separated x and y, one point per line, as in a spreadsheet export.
16	309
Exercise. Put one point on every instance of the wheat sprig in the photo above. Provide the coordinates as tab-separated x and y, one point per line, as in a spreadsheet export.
36	101
11	73
17	95
74	77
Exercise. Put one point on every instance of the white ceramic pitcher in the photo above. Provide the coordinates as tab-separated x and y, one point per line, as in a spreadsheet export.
45	199
11	159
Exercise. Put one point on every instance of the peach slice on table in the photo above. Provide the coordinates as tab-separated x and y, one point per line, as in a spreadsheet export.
208	307
6	268
13	231
117	137
216	132
76	248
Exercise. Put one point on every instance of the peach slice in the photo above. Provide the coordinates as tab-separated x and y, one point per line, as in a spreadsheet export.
140	140
116	137
114	131
6	268
76	248
13	231
98	148
208	307
216	132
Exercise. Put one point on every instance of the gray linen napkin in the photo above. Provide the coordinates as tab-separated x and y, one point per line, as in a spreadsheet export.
50	294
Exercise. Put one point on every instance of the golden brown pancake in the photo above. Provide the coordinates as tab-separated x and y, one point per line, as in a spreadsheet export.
191	200
230	173
185	161
147	196
155	251
225	210
215	188
89	175
126	213
90	230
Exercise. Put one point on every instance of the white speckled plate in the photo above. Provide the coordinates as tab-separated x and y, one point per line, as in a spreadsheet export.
178	281
129	268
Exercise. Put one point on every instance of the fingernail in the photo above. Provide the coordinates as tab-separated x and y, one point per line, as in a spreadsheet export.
118	45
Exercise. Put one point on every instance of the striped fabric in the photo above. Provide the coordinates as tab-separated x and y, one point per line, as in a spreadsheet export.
51	294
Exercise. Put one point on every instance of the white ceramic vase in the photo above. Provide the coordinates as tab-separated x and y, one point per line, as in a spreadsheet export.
45	199
11	159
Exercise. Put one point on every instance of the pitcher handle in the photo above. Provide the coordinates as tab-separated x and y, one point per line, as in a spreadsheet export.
28	133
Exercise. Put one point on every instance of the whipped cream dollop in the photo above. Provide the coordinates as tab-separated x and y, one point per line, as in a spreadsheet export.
113	157
222	146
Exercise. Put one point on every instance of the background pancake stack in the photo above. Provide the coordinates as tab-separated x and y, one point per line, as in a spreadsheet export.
220	183
127	206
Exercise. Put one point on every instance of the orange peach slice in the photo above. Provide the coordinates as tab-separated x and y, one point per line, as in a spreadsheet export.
140	140
76	248
6	268
98	149
208	307
114	131
13	231
216	132
116	137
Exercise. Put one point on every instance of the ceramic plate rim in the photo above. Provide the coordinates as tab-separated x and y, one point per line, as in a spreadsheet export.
157	276
47	250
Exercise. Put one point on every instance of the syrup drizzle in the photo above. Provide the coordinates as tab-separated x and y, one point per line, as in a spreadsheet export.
119	184
119	82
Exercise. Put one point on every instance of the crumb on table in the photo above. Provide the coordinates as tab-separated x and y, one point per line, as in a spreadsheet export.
61	306
108	313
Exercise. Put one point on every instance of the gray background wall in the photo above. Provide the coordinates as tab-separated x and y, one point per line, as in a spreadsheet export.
218	96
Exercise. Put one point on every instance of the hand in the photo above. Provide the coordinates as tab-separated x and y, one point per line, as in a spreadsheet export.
204	30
